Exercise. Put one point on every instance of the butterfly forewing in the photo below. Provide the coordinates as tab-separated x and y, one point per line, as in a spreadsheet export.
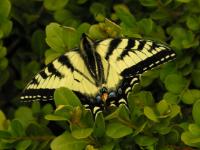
134	56
68	71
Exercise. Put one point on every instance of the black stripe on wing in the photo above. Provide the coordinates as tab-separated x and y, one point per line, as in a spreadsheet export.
64	60
149	63
131	43
43	74
113	44
52	69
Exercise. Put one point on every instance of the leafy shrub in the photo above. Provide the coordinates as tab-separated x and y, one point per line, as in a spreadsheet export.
164	108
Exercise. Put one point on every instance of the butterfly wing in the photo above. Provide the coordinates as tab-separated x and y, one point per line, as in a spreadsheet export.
132	57
69	71
122	62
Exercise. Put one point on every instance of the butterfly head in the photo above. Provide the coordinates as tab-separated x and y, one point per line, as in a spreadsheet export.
104	94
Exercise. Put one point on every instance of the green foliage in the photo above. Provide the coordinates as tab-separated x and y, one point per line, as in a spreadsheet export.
163	109
5	29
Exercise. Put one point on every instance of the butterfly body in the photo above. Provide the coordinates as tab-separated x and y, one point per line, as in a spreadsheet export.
100	73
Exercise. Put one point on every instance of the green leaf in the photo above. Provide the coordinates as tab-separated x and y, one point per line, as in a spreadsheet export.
196	112
112	115
67	141
95	31
3	52
149	3
123	112
190	96
56	118
189	41
162	127
83	28
174	110
3	121
1	34
162	107
3	63
109	146
38	43
175	83
82	127
24	115
125	15
140	128
192	23
51	55
17	128
80	133
23	145
6	27
113	29
7	144
190	139
64	96
195	77
183	61
145	140
173	137
62	112
62	15
150	114
171	98
35	129
60	38
98	10
66	18
30	69
169	68
4	134
182	38
187	70
5	7
87	118
35	107
99	125
151	74
47	109
146	26
55	5
160	14
146	98
194	129
117	130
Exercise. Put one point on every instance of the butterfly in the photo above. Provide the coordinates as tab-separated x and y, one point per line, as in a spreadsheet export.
100	73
